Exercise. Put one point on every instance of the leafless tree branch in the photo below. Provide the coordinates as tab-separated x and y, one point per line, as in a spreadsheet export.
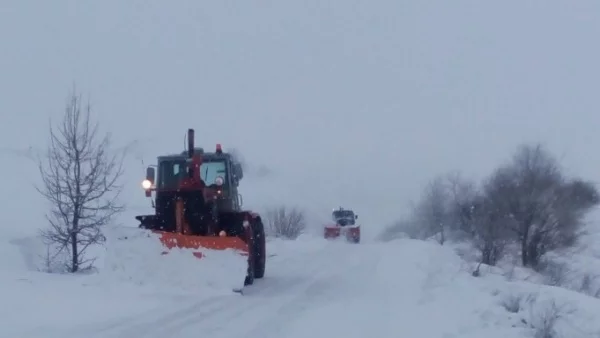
80	181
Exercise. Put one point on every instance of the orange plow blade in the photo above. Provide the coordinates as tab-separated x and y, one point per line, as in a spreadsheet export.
175	240
332	231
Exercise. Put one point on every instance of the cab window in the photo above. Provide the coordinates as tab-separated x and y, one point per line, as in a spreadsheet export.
170	172
209	171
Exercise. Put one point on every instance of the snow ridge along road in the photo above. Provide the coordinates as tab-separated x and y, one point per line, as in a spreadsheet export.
312	287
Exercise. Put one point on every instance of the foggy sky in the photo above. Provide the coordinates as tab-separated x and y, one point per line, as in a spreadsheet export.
351	103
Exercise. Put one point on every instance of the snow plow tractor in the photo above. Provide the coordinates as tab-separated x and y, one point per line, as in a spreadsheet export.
344	225
197	206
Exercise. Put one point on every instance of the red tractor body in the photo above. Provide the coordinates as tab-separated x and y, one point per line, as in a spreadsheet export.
197	206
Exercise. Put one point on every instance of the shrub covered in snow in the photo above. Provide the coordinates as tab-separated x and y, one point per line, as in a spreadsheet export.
284	222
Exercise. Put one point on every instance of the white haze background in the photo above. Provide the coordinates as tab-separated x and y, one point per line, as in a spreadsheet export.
349	103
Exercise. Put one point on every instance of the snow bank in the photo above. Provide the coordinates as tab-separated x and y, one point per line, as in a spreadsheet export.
133	280
135	256
37	304
421	289
32	254
516	297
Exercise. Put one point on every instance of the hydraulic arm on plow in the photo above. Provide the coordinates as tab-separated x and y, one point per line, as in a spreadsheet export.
197	206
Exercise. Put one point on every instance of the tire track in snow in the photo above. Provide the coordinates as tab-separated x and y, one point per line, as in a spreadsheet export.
296	285
215	313
259	312
169	325
262	297
331	284
139	325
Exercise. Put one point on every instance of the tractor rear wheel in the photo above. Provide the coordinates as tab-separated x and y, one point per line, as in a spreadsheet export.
259	248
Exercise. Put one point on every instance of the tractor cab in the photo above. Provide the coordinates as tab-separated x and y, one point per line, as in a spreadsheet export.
344	217
210	189
219	172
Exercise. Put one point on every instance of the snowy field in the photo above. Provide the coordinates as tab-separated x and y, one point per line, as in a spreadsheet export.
312	287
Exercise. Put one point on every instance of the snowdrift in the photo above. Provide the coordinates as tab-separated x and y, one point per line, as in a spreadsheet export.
136	256
421	289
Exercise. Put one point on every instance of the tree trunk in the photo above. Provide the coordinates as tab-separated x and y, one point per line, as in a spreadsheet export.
533	250
74	248
524	256
486	255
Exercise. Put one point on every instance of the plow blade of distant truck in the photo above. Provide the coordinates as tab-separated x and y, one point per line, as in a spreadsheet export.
176	240
351	234
332	232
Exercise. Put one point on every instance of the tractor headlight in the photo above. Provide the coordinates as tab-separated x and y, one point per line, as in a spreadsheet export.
219	180
146	184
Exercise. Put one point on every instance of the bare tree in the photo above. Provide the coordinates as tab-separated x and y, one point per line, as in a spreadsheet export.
575	199
490	234
284	223
432	212
541	207
463	198
454	206
529	202
80	181
445	209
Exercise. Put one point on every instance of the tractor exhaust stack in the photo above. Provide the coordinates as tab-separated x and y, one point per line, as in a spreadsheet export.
190	143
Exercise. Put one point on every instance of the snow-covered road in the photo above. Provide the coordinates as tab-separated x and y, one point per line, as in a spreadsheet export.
312	288
296	285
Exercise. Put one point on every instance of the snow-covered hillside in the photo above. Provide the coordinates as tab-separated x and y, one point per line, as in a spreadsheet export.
312	288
